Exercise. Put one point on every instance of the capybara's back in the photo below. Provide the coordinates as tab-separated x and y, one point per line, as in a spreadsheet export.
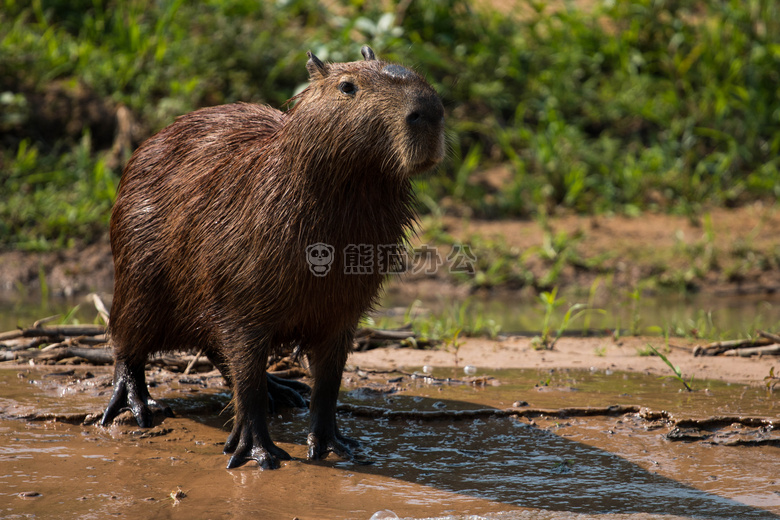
219	218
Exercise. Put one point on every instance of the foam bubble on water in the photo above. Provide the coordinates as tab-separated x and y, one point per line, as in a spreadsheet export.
385	514
470	370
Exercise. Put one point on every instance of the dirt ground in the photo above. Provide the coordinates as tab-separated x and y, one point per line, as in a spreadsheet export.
577	353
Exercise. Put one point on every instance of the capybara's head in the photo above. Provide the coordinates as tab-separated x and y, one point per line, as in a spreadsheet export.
369	114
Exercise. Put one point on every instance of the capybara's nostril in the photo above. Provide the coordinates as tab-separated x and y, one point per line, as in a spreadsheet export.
426	110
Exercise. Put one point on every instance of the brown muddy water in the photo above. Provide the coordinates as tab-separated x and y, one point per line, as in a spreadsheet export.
547	467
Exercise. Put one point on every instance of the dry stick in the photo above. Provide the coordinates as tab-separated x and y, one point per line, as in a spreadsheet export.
747	352
769	336
45	320
713	349
66	343
59	330
180	362
192	363
97	356
377	334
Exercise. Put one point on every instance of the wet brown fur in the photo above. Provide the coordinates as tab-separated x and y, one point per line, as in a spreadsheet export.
214	214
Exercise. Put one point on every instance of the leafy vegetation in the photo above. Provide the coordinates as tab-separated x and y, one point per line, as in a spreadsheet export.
621	107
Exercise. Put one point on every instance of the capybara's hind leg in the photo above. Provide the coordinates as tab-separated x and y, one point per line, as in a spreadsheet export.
130	391
284	393
327	363
250	439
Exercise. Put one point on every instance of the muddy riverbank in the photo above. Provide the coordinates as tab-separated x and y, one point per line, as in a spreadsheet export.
549	465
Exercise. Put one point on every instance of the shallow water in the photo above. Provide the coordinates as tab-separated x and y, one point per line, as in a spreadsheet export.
694	314
690	314
510	468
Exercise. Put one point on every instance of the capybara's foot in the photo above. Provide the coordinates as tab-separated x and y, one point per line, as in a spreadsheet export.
284	393
130	391
246	445
320	446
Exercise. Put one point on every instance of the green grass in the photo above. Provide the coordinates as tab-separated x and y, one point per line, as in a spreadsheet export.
627	107
676	372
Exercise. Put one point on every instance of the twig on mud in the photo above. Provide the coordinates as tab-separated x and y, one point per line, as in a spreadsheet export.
53	332
770	336
192	363
368	338
179	363
95	356
719	347
64	341
760	351
47	319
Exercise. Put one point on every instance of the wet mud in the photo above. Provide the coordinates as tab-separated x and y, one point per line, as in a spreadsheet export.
425	458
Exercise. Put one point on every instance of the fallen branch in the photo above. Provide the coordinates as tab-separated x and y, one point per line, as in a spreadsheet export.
760	351
179	363
54	332
368	338
719	347
769	336
96	356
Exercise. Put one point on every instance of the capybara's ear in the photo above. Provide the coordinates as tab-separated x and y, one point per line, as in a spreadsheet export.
315	67
368	53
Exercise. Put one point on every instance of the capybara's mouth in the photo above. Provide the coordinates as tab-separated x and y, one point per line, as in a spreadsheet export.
424	166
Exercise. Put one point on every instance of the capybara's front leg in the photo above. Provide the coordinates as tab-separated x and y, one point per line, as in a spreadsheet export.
327	364
130	391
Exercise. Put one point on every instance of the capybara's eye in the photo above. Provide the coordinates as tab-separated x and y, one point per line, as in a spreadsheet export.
347	88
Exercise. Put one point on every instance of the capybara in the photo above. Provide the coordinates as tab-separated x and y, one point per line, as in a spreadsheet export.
214	219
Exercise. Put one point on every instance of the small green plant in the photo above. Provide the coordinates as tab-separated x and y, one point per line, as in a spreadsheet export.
591	300
675	369
636	297
546	340
453	344
771	380
544	382
645	351
448	325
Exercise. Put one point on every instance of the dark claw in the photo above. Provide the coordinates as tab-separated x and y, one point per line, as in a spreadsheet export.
338	444
130	391
245	447
264	459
